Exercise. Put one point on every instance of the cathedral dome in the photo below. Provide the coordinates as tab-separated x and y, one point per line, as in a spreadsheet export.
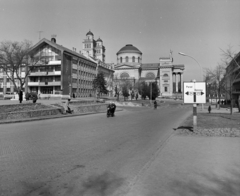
89	33
99	40
129	48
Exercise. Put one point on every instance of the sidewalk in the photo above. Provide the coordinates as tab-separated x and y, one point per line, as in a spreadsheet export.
192	165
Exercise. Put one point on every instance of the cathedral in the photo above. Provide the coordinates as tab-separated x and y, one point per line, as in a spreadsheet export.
94	48
168	76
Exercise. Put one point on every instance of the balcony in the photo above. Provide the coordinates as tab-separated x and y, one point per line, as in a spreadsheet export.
74	66
54	62
33	83
45	73
52	83
74	75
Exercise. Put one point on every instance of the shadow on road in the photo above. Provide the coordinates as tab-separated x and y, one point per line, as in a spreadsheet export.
102	185
210	184
184	127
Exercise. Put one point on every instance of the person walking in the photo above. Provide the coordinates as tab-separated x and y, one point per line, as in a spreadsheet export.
67	108
155	104
136	96
20	94
209	109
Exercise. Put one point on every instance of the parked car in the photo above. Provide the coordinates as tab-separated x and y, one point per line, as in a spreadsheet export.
8	95
100	101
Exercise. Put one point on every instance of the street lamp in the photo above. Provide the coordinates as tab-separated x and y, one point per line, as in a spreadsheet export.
183	54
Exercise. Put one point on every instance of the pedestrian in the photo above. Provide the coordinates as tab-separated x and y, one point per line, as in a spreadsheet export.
136	96
67	108
209	109
155	104
20	94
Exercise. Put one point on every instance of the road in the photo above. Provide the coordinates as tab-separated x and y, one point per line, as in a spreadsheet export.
84	155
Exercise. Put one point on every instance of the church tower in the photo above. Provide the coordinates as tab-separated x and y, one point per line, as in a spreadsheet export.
89	44
94	48
100	50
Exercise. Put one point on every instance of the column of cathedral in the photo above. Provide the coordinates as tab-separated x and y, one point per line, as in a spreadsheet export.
178	79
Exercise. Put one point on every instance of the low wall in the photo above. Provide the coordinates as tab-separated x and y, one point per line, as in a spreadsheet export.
55	110
95	108
29	113
82	102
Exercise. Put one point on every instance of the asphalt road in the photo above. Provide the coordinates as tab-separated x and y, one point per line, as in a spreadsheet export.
84	155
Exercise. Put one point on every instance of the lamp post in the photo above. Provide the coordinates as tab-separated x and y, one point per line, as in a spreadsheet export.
183	54
150	92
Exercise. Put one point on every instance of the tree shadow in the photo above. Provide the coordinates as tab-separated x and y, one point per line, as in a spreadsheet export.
30	187
190	128
216	185
101	185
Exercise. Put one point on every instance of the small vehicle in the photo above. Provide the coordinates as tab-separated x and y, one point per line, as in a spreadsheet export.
155	105
109	113
111	110
8	95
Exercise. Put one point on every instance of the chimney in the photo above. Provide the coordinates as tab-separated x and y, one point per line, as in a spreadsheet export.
53	38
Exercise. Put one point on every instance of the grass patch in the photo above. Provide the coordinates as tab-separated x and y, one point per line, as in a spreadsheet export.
22	107
214	120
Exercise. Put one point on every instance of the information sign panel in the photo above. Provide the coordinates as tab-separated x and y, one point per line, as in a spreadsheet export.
194	92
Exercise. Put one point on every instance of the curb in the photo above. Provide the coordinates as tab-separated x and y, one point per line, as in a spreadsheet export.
51	117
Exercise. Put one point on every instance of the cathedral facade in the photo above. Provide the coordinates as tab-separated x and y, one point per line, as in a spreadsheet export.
168	76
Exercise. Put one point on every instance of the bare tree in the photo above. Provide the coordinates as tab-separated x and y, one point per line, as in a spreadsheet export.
121	83
14	57
214	80
231	60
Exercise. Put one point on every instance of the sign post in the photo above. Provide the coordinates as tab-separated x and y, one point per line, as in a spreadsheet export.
194	93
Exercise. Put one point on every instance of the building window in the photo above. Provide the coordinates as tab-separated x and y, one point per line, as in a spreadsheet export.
33	79
120	59
133	59
126	59
124	75
138	59
57	78
166	89
150	75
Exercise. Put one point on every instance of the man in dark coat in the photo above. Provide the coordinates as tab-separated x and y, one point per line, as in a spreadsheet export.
209	109
20	94
155	104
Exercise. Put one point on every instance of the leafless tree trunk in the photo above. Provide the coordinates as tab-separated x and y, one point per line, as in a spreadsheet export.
231	59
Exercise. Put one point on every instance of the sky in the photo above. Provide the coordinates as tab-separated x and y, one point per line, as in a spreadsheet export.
198	28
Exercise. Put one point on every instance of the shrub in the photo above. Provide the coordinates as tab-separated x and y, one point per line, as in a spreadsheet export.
27	96
31	96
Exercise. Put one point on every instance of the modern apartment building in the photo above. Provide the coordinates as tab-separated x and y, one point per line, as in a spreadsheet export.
6	85
59	71
233	78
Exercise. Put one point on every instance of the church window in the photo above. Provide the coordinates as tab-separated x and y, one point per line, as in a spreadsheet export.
150	75
138	59
120	59
165	76
126	59
124	75
133	59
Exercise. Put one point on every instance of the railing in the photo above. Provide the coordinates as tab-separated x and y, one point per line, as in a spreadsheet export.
45	73
33	83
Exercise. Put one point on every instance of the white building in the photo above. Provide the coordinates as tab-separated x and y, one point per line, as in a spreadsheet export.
165	73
